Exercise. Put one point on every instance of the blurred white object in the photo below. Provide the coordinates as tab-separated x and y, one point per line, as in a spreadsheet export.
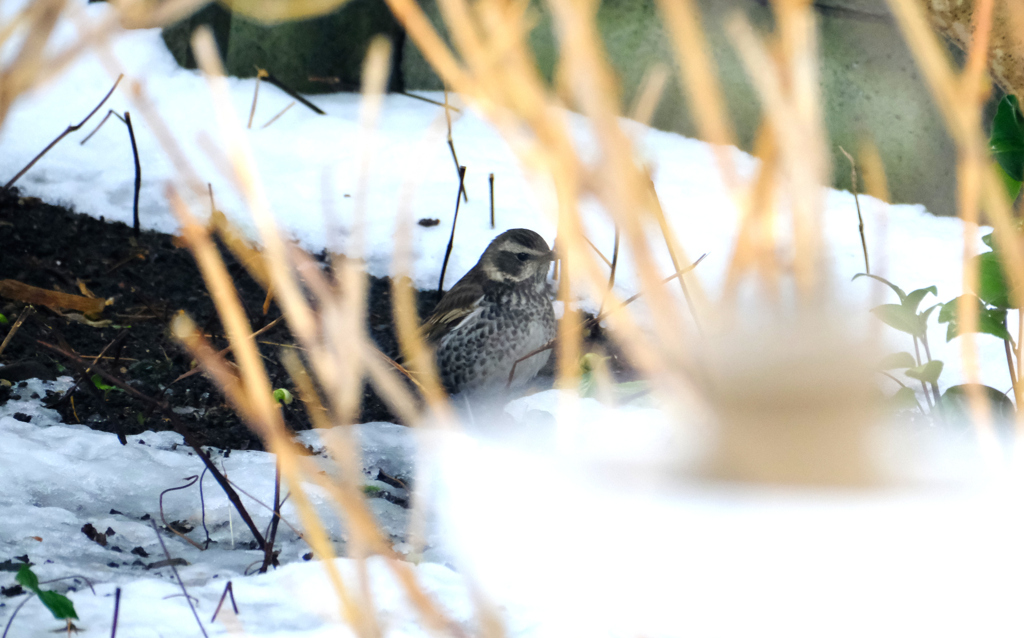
568	537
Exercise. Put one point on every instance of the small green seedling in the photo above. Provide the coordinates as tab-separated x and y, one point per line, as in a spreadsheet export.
989	302
283	397
589	364
102	385
4	320
58	604
905	317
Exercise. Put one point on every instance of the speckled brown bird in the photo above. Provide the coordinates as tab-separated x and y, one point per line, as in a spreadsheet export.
497	313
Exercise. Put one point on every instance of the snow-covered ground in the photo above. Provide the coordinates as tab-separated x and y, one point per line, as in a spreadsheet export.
558	548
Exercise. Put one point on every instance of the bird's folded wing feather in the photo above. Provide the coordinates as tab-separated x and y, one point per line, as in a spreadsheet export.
456	305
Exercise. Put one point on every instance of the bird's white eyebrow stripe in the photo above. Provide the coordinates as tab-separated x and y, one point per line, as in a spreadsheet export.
516	247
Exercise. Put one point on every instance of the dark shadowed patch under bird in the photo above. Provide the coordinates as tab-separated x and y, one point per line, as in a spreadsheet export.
497	313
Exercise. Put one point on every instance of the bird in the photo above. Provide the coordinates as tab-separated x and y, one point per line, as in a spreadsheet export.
497	313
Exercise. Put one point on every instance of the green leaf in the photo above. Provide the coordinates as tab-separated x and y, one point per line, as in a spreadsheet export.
27	578
913	300
1007	140
1011	185
990	320
898	360
283	396
58	604
899	291
992	287
904	399
4	320
97	381
954	403
929	372
899	317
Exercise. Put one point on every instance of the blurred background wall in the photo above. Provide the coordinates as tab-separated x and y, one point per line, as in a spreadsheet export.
871	86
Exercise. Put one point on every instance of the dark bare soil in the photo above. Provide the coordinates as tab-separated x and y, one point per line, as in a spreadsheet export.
150	279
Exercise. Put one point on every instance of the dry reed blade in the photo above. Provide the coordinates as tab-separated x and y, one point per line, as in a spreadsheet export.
649	95
788	91
253	391
979	185
701	86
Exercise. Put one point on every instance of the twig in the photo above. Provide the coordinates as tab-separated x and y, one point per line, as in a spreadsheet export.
255	95
856	200
270	509
199	369
268	550
67	131
84	379
455	219
458	167
15	613
1009	364
100	125
178	577
178	427
117	610
491	180
306	103
191	481
135	153
274	119
25	312
630	300
228	591
451	143
427	99
202	508
598	251
614	266
70	577
138	175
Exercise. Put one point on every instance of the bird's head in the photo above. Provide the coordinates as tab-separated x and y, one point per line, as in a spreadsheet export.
516	256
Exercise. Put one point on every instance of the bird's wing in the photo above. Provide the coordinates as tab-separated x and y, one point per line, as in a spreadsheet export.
455	305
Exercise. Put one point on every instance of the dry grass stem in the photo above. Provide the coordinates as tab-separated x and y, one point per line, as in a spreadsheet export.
279	114
649	96
701	87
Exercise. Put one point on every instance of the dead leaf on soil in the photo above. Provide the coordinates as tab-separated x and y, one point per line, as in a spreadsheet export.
25	293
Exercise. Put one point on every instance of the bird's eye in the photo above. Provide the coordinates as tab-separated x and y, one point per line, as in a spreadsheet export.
522	256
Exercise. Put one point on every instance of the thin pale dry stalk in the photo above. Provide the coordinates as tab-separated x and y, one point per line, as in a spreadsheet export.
363	523
300	317
27	65
876	185
700	85
499	77
788	87
755	245
649	96
976	171
624	187
253	390
248	255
